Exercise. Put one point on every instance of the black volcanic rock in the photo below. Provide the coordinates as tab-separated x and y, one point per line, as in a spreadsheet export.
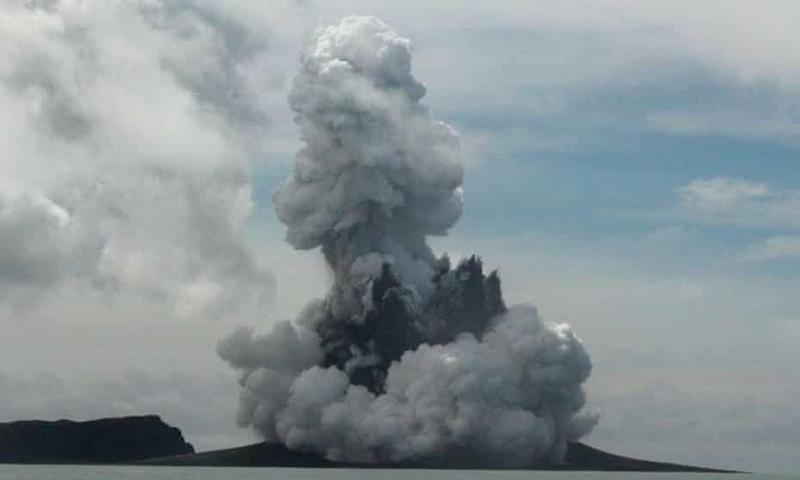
464	301
99	441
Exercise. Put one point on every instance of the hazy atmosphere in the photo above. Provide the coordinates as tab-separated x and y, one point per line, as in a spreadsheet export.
630	168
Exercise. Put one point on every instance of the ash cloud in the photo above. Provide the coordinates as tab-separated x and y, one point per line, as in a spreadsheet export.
124	138
407	358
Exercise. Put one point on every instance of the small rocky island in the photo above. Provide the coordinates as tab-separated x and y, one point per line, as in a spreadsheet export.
111	440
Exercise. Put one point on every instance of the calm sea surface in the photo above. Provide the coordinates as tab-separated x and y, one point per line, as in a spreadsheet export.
57	472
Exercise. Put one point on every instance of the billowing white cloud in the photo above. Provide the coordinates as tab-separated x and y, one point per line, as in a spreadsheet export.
125	137
405	359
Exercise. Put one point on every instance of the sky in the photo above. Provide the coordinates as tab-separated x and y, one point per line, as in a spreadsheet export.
631	171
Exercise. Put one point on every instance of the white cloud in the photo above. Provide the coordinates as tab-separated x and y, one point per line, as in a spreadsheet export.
739	202
781	247
721	193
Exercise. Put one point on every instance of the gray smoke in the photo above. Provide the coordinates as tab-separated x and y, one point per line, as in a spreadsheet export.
406	359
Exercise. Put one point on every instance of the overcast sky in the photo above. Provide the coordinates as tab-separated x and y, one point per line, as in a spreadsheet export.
632	171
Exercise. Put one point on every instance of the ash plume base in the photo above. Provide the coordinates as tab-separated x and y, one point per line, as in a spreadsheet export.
407	357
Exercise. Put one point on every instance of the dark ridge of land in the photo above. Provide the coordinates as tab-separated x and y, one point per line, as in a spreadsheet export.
110	440
583	457
580	457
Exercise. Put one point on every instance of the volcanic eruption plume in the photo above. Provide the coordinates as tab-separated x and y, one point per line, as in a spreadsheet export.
407	358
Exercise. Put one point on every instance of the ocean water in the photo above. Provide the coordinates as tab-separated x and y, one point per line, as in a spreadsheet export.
59	472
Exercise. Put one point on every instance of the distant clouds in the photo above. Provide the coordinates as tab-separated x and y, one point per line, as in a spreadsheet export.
721	193
774	248
739	202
